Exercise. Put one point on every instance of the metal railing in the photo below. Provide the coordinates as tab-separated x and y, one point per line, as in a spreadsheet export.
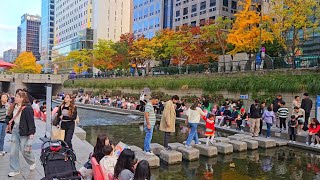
215	67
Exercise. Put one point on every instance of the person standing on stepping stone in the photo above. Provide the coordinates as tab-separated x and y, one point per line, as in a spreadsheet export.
168	120
255	116
210	129
149	122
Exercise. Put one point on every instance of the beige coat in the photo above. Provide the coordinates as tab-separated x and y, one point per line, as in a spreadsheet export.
168	117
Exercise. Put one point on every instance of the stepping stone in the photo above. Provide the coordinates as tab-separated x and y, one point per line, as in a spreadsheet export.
265	142
156	148
153	160
243	135
236	138
175	146
205	150
135	148
171	157
189	154
251	144
238	145
281	143
223	148
222	139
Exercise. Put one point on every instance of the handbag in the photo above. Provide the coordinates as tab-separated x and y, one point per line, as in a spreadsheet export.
77	120
11	122
57	134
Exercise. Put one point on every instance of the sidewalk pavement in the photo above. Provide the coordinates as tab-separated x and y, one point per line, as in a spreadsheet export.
82	149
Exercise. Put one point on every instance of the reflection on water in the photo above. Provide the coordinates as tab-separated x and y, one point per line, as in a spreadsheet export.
276	163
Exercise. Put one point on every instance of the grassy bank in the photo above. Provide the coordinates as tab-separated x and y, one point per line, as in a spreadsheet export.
270	83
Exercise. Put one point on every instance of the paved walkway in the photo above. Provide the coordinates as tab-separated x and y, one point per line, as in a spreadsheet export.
82	149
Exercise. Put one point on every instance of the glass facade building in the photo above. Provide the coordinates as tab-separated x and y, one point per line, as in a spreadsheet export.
28	36
72	26
47	30
147	17
10	55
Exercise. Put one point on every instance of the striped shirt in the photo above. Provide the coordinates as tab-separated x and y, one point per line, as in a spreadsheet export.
283	112
3	113
152	115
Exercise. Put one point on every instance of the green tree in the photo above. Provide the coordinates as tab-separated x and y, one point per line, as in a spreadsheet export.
103	53
81	60
294	23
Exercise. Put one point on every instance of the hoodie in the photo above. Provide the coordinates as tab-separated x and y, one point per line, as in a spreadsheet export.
268	117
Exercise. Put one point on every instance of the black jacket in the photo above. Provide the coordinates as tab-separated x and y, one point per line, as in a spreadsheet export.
255	111
71	118
306	104
27	126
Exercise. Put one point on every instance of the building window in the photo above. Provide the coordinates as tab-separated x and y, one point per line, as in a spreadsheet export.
203	5
212	3
178	13
234	5
193	23
194	8
225	3
185	11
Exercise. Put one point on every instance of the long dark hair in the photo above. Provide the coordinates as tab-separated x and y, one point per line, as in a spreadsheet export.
3	94
125	161
142	171
71	106
101	142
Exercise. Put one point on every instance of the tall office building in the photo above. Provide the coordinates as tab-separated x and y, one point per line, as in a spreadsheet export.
150	16
72	28
10	55
47	30
197	12
111	18
29	35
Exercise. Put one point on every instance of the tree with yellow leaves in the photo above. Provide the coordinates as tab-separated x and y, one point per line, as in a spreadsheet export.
295	21
249	29
26	63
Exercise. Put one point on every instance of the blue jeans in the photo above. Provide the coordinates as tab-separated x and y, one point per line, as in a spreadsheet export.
148	138
268	129
19	143
193	135
2	135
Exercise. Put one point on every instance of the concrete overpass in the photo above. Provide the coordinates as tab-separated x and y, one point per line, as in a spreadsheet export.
34	82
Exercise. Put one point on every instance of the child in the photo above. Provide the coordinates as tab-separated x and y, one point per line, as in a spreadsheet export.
142	171
109	161
210	130
283	115
269	117
292	128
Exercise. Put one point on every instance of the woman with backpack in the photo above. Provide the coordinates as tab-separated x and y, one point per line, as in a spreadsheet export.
21	124
67	114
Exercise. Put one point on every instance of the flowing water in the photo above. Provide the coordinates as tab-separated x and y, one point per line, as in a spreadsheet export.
276	163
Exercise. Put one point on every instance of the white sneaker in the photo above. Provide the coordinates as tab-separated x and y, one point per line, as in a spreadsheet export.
33	167
290	141
186	146
12	174
294	142
2	153
228	127
312	144
198	143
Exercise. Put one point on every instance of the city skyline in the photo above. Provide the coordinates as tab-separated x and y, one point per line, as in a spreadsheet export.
11	19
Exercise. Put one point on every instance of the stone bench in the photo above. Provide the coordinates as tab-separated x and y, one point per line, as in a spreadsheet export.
223	148
222	139
251	144
153	160
189	154
156	148
265	142
171	157
238	145
209	151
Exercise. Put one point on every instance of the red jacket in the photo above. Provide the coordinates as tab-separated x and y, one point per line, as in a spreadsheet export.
209	123
313	129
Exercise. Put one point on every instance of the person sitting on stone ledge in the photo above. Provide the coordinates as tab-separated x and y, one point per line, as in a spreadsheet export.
314	129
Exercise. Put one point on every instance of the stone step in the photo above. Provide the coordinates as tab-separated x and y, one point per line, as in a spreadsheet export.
238	145
209	151
80	133
236	138
265	142
223	148
156	148
135	148
175	146
222	139
243	135
251	144
190	154
153	160
171	157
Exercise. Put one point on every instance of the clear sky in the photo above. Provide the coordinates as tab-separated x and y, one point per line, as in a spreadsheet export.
10	14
